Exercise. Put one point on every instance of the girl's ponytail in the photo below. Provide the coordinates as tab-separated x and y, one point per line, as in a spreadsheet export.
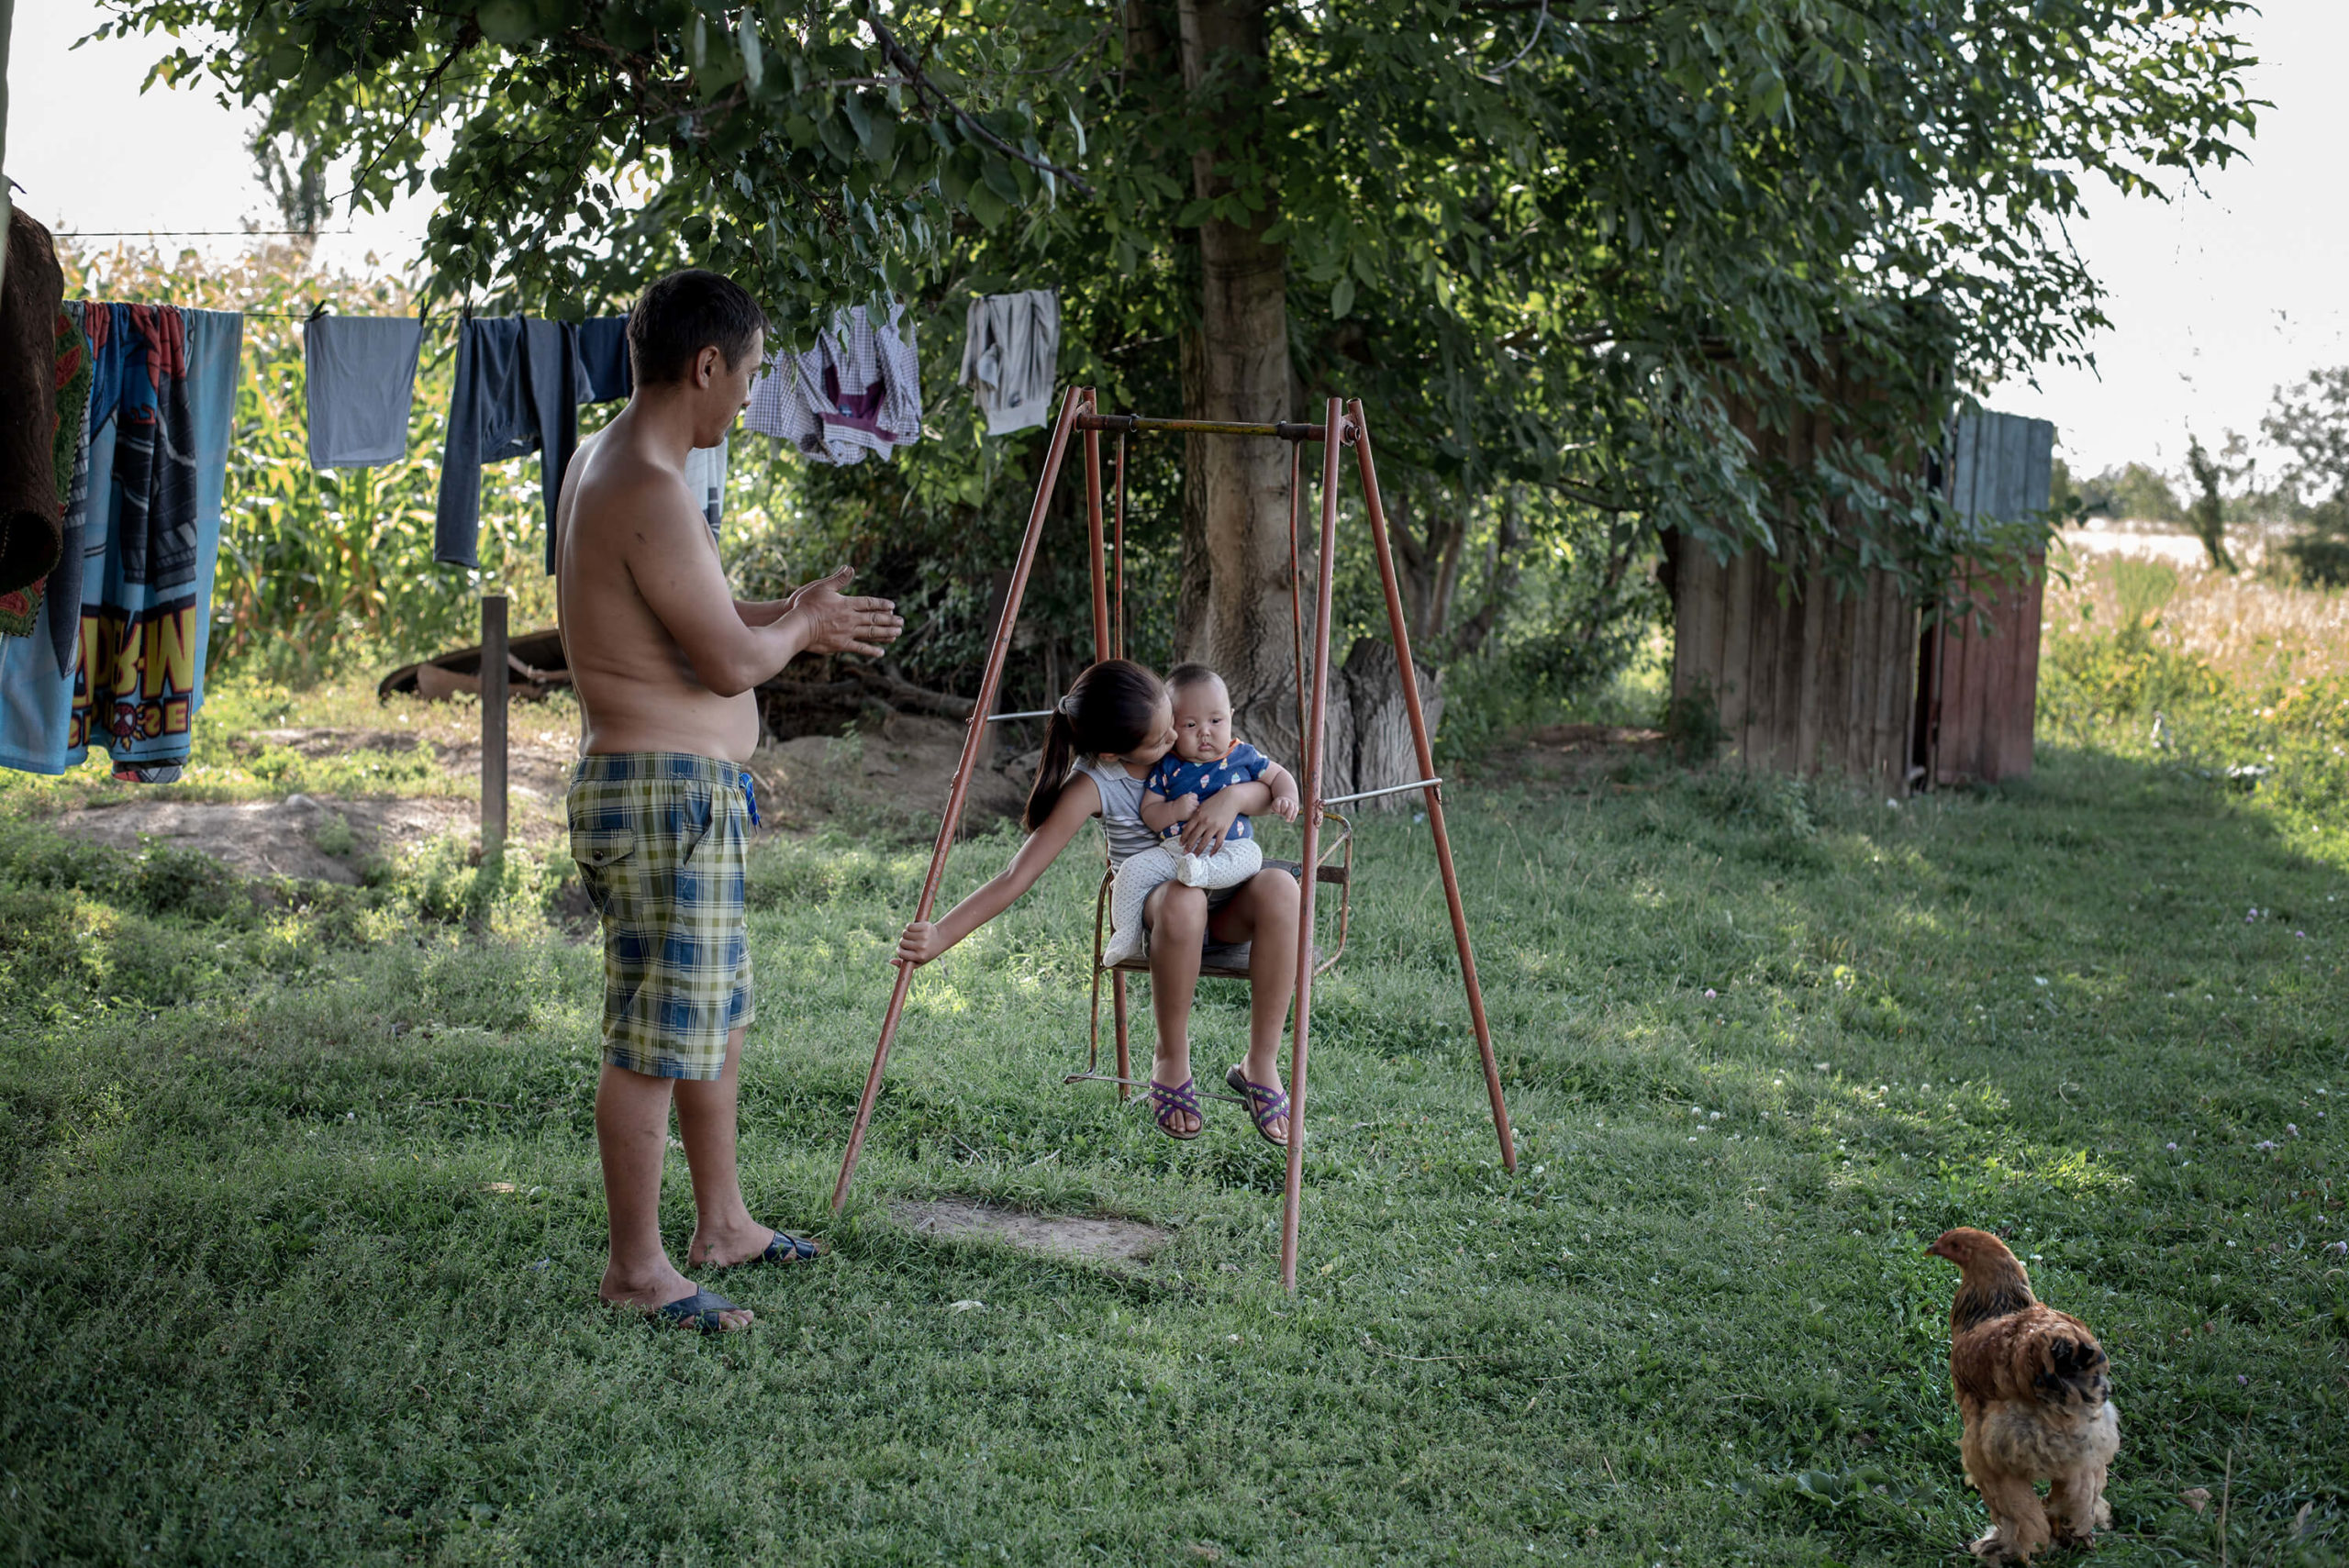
1108	710
1052	770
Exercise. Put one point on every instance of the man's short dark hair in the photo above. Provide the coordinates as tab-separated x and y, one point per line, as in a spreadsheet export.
684	313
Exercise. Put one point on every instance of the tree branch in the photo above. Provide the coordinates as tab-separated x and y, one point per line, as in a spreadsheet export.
918	80
902	693
466	38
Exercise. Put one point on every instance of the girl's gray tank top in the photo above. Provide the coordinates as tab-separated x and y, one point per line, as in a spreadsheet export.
1120	809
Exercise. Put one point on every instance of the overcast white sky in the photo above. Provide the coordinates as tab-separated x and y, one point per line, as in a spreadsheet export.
2217	298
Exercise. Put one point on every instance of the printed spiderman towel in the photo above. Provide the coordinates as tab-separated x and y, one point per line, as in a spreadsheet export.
148	515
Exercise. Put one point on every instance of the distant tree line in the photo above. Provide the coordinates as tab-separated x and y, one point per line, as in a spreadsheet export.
2214	492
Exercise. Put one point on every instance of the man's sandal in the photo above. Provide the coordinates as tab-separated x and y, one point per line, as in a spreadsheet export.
702	1310
785	1249
1265	1104
1172	1103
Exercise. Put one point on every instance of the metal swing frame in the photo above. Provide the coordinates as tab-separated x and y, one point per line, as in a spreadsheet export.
1344	426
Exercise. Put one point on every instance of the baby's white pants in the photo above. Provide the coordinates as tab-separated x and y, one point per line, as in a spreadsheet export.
1233	862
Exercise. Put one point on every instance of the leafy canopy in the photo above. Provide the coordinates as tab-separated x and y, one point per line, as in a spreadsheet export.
1583	245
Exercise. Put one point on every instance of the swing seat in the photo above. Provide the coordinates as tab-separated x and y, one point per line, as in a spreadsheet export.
1229	961
1222	961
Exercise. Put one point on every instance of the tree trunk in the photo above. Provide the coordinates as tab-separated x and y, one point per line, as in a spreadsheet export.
1369	741
1236	367
1236	606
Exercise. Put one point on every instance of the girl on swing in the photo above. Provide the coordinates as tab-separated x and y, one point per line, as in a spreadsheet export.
1103	740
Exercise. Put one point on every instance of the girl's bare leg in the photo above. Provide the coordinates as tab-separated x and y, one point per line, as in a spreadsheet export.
1177	920
1265	912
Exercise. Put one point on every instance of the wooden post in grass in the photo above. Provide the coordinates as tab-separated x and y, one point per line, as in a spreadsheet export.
492	725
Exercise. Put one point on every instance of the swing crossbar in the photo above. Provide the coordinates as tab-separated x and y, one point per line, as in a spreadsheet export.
1002	718
1142	424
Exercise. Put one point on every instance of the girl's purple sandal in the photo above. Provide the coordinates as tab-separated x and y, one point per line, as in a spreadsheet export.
1265	1103
1171	1103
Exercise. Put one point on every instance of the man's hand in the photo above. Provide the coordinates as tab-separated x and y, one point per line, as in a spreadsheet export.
1205	827
920	943
838	625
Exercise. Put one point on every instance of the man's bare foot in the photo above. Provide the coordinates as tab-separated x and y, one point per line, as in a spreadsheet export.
651	1292
727	1246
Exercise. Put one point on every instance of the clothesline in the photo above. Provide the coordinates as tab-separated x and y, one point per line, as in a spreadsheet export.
519	384
198	233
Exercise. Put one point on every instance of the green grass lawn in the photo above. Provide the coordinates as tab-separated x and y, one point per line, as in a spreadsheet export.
302	1223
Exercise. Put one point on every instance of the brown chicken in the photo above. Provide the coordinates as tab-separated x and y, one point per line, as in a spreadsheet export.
2032	1388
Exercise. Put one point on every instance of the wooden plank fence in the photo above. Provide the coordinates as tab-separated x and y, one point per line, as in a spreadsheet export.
1978	685
1807	681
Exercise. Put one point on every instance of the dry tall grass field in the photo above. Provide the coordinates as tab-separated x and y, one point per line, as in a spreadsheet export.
2241	682
2255	630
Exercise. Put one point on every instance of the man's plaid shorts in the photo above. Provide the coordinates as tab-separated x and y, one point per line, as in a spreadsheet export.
661	840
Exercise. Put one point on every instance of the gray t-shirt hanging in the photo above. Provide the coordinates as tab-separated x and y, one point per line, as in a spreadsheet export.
361	376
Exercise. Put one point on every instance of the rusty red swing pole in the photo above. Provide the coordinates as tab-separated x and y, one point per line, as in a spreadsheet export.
1092	535
1103	647
974	732
1117	978
1376	510
1295	588
1117	549
1301	1026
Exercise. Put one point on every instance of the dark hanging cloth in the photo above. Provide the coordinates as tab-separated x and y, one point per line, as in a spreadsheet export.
31	515
603	360
520	385
604	376
517	392
20	608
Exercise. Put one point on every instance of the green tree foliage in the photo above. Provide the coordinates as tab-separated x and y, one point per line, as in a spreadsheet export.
1577	248
2311	421
2135	492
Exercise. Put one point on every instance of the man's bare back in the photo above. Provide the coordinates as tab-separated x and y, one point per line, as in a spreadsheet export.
663	657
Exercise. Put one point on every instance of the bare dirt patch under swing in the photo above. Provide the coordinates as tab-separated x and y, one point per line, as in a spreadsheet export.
1096	1240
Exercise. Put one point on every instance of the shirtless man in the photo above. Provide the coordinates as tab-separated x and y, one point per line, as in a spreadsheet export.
664	658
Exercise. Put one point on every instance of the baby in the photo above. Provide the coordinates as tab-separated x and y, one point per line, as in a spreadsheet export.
1205	759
